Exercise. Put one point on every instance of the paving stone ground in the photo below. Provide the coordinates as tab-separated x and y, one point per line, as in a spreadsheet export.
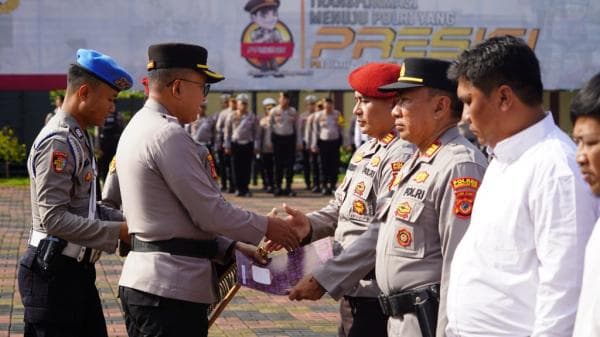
250	313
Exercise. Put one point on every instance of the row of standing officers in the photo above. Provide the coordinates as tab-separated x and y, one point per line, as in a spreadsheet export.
237	135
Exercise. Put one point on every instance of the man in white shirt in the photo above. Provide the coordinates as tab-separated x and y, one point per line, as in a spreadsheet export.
585	114
518	269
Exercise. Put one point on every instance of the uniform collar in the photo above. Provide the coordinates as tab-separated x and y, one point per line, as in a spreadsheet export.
153	105
434	148
510	149
388	138
65	119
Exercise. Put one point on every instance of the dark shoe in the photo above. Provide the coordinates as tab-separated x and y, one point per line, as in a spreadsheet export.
277	192
270	189
239	194
289	192
223	188
316	189
231	190
326	191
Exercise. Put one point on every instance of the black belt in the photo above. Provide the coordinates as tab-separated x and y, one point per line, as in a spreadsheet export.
406	302
205	249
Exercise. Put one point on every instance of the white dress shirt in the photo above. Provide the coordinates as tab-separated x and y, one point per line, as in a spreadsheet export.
517	271
588	312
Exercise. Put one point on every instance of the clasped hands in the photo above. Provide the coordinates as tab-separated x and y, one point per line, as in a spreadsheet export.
296	222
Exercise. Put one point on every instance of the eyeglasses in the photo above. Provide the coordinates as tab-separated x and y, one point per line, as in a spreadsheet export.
205	86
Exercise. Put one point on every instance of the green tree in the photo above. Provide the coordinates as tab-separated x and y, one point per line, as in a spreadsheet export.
11	150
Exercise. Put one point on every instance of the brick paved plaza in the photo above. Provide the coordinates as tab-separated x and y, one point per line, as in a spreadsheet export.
250	313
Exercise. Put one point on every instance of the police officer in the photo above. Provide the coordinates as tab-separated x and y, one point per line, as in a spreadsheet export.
241	142
224	160
350	275
311	106
432	200
173	206
202	129
283	119
266	146
56	275
314	160
327	139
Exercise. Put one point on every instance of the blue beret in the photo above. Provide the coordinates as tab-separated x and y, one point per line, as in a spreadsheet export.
104	68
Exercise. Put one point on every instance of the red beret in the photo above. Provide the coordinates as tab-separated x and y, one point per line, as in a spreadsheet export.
369	77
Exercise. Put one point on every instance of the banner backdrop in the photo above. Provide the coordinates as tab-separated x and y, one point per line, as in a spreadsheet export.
294	44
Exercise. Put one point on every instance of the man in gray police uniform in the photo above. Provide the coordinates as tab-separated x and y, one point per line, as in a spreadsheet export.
350	275
432	199
175	209
56	275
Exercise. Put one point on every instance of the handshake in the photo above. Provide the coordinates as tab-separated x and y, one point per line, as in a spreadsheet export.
286	233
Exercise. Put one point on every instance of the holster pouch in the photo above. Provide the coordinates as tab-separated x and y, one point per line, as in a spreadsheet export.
47	252
426	307
123	248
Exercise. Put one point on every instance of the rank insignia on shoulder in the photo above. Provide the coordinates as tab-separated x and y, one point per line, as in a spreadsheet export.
421	176
397	166
403	210
404	237
88	176
359	207
375	161
465	182
359	189
433	149
463	206
59	161
112	167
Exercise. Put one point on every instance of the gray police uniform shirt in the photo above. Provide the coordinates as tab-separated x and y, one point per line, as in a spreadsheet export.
242	129
284	122
203	129
220	126
426	217
352	215
302	125
168	193
308	127
111	195
61	172
326	126
264	134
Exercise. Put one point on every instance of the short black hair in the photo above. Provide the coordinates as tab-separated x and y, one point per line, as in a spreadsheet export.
285	94
77	76
501	60
456	106
587	101
328	100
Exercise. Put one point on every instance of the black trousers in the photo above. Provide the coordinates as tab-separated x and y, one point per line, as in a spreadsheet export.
306	165
329	151
267	169
315	166
65	303
362	316
284	151
224	167
241	157
156	316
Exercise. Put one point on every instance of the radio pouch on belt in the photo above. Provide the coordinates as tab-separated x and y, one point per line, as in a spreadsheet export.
46	252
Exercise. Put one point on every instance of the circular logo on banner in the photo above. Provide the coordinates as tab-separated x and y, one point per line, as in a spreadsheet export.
267	49
7	6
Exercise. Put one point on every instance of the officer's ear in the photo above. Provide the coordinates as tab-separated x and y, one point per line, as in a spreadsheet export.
505	97
176	89
83	91
442	104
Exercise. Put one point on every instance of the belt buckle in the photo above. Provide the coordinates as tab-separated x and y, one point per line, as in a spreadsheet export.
384	303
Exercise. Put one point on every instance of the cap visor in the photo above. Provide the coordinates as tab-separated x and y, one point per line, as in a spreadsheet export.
398	86
212	77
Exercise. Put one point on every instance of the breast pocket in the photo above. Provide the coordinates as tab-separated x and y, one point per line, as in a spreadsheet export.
408	239
83	182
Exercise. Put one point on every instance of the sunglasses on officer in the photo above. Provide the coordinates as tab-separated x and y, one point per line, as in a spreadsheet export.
205	86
